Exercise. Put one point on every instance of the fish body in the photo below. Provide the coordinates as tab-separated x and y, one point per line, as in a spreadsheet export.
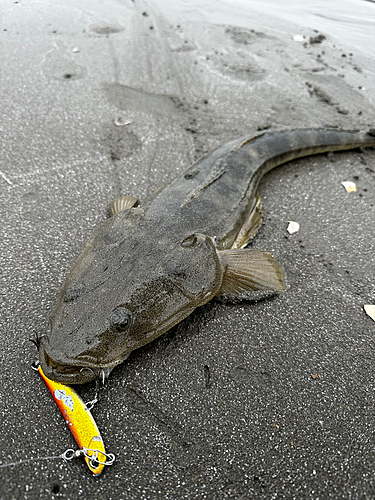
147	268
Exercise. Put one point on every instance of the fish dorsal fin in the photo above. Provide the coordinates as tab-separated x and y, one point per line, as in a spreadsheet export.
248	270
122	203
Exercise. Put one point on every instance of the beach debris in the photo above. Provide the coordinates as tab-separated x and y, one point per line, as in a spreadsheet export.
293	227
76	50
317	39
120	122
315	376
299	38
6	179
350	187
370	310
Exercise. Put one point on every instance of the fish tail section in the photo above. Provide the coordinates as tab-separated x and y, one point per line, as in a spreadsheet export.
279	147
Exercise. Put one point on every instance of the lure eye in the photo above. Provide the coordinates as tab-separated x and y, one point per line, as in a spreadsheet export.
120	318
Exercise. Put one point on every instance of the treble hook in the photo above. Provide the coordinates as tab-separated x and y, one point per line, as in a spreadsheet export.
90	404
109	457
70	454
35	340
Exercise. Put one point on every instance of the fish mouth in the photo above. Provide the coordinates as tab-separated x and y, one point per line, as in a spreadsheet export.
72	371
67	373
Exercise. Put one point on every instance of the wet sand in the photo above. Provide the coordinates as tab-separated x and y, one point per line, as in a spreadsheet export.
267	400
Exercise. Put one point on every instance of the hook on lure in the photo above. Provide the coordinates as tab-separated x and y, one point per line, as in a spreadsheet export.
99	375
93	458
67	456
35	339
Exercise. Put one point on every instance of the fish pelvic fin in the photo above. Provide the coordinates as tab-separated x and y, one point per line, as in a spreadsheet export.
246	271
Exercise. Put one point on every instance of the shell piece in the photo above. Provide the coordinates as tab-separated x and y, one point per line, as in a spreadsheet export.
120	122
122	203
80	422
349	186
370	310
293	227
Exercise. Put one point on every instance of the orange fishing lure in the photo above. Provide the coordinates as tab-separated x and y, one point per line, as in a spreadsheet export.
81	424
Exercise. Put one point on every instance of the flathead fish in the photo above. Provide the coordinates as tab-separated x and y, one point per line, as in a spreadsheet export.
149	266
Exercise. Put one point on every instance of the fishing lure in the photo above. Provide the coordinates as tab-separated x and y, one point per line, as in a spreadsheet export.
81	424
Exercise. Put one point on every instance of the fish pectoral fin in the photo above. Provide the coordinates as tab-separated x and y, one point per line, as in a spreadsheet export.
122	203
248	270
251	225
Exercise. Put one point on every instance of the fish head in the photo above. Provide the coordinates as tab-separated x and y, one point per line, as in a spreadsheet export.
130	284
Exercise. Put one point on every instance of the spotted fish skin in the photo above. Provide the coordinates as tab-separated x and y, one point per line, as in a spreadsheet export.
148	267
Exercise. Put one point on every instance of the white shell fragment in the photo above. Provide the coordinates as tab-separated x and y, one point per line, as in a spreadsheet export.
350	187
370	310
120	122
298	38
293	227
75	50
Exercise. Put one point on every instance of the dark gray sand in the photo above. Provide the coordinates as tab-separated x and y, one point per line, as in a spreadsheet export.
267	400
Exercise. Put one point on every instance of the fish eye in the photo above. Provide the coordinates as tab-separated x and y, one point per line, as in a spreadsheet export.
120	318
